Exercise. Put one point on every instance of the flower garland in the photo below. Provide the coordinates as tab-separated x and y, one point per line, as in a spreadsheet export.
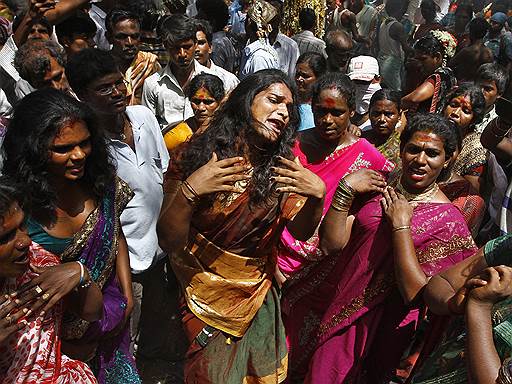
448	41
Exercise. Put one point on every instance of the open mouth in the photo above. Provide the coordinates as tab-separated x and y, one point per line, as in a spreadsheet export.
276	125
417	174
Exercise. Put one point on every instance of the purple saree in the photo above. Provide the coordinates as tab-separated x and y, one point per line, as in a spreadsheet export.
333	315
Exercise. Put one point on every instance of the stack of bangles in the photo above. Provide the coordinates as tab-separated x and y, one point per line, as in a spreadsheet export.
189	193
343	197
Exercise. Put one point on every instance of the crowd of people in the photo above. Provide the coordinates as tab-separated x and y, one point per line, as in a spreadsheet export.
255	191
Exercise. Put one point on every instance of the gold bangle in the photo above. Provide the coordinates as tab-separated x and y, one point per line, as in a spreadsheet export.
402	228
343	197
189	187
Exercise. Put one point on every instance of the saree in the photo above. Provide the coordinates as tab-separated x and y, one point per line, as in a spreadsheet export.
443	81
296	255
447	364
468	201
353	295
232	313
473	157
96	246
143	66
33	354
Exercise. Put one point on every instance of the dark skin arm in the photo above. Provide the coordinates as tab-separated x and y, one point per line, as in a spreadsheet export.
483	359
336	226
445	293
37	9
397	33
494	139
124	275
424	92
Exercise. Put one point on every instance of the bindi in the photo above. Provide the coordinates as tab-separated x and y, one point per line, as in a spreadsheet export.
330	102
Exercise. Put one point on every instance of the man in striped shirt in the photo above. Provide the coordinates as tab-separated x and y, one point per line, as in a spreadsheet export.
306	40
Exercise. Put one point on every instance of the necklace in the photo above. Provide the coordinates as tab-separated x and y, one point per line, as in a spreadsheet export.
423	197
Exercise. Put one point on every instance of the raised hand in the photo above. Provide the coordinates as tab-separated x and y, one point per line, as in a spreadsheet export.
219	176
37	8
397	209
365	181
297	179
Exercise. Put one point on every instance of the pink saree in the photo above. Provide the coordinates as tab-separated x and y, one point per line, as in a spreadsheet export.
295	255
333	315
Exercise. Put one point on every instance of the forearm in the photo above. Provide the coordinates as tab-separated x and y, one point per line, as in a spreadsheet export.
483	360
174	224
124	272
304	224
441	289
88	303
494	139
408	272
63	9
334	231
424	92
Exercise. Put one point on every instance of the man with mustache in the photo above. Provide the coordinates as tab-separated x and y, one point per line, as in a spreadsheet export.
123	32
163	91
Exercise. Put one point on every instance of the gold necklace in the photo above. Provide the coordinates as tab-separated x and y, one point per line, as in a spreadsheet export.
423	197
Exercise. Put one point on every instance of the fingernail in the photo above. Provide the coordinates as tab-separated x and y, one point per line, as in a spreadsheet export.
29	312
24	322
14	294
7	297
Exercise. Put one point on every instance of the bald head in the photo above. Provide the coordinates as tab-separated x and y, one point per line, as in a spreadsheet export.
339	50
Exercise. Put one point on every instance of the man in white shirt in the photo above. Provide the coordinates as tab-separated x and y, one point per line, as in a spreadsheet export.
141	159
203	55
98	15
163	91
306	40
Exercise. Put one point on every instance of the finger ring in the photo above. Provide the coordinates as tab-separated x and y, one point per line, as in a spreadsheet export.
8	319
38	289
45	296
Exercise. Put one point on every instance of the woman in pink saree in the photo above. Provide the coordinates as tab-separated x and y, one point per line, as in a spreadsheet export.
330	151
356	313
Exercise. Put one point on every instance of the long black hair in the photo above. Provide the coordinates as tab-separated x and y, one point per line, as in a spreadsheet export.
232	127
36	121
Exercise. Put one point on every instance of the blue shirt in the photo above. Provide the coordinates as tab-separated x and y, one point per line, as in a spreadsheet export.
306	117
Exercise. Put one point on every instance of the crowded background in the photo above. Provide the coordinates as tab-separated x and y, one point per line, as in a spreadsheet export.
255	191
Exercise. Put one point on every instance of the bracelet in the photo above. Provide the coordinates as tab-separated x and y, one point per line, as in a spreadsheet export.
191	199
402	228
82	273
343	197
189	187
82	284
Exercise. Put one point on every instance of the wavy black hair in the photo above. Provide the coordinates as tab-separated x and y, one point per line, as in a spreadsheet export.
429	45
432	123
232	128
213	84
475	95
37	118
493	72
339	82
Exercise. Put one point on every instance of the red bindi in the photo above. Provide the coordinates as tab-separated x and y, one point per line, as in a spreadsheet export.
330	102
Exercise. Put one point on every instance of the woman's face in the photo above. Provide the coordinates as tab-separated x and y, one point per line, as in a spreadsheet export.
204	105
384	116
429	63
423	159
332	115
14	243
69	151
304	78
270	110
460	111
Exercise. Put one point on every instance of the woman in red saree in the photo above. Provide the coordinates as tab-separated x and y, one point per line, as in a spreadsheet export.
352	313
30	340
221	227
331	151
